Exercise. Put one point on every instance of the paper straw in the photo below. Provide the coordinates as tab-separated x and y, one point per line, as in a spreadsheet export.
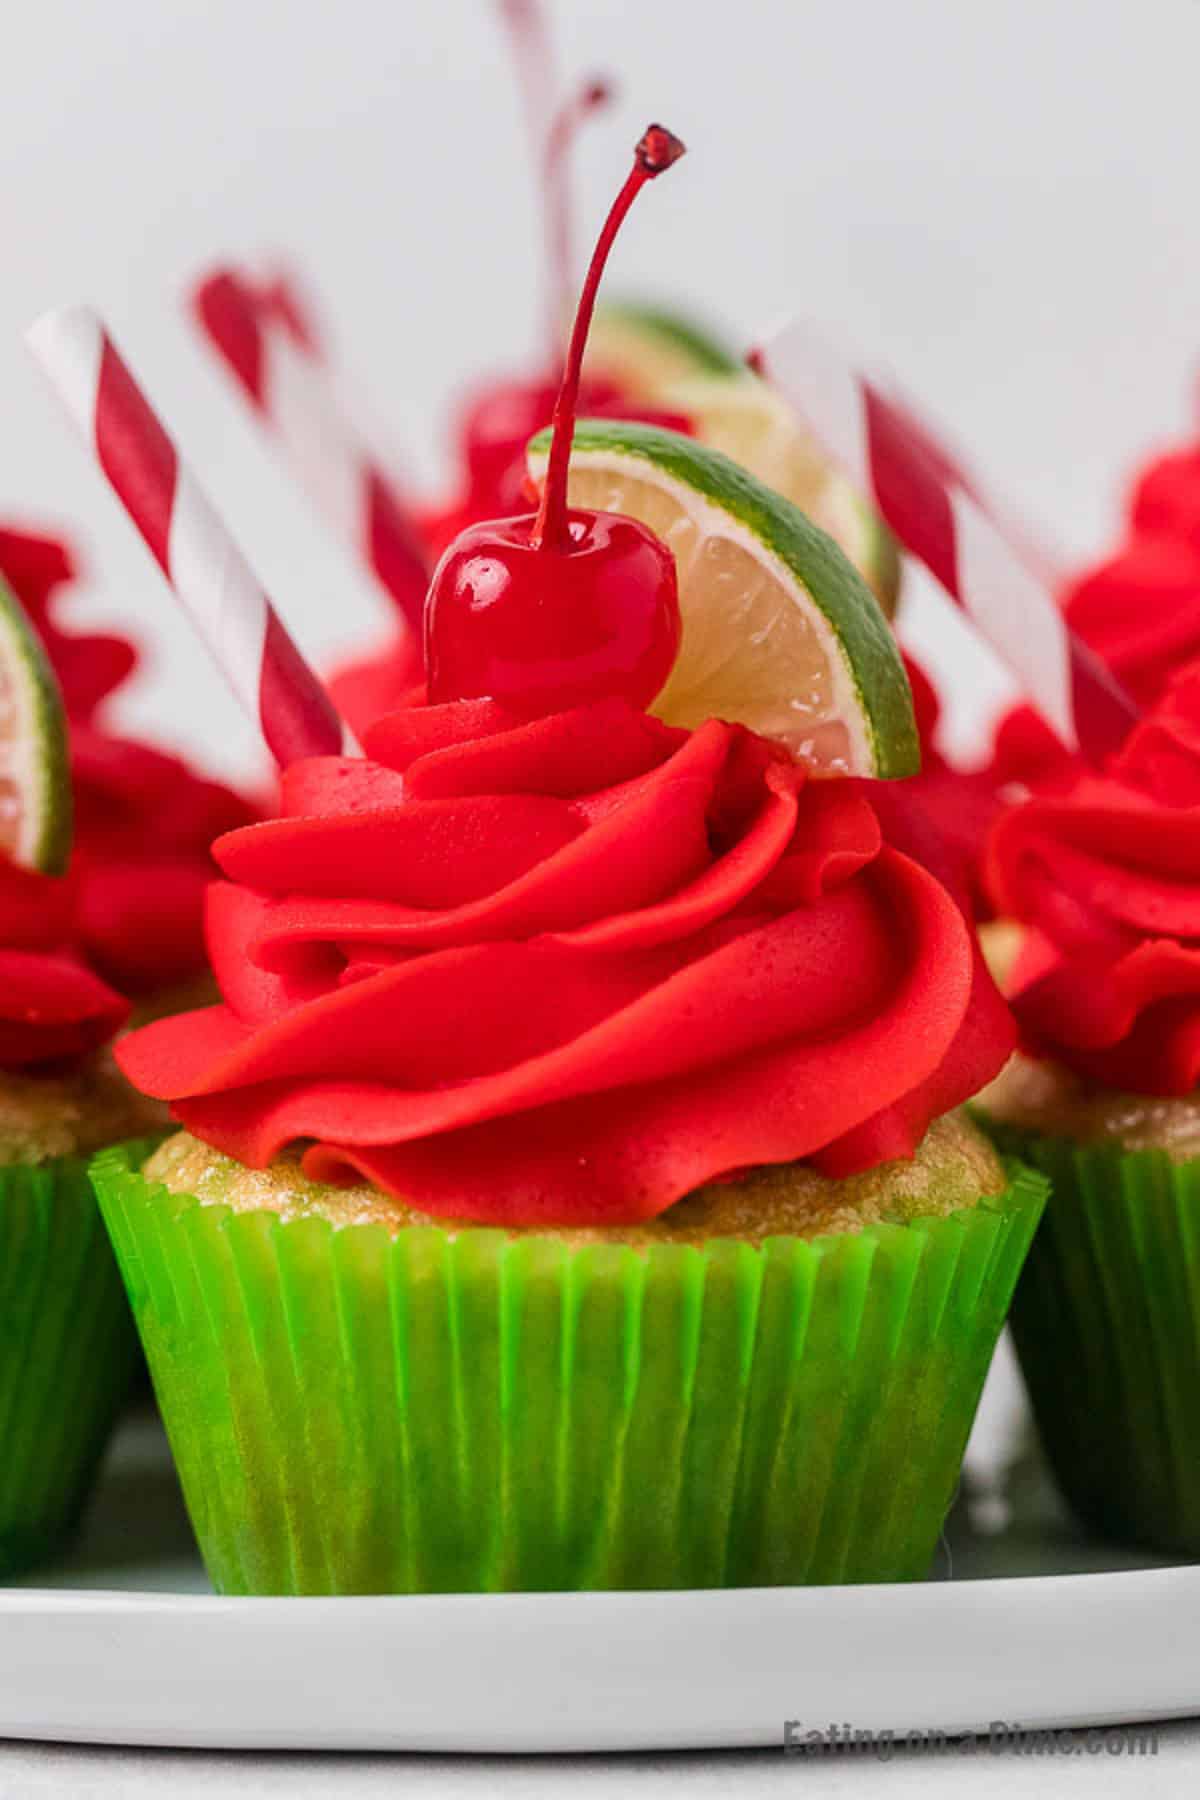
918	492
1028	539
208	572
265	338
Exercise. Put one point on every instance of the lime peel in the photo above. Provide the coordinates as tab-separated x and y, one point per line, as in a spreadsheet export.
744	418
645	346
35	773
869	696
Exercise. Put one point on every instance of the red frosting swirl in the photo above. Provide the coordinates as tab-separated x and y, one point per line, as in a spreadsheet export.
1139	609
144	821
570	970
960	804
144	826
373	686
1108	875
88	666
53	1009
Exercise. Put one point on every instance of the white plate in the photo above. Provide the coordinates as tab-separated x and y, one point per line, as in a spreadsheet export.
1038	1627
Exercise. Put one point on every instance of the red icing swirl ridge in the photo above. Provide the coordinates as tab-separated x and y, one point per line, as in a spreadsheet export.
570	970
144	820
1108	876
144	825
53	1008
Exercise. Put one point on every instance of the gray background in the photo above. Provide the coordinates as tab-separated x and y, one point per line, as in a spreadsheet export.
996	200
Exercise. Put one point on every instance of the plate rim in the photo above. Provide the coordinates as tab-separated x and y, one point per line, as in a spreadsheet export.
551	1673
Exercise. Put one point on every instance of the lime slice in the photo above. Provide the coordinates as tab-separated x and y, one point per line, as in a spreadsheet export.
35	772
647	348
745	418
780	632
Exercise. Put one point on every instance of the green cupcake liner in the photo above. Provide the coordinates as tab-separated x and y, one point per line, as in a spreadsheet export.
1106	1321
67	1353
445	1412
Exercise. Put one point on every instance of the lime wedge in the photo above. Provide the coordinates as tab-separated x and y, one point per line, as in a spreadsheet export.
780	632
647	348
745	418
35	771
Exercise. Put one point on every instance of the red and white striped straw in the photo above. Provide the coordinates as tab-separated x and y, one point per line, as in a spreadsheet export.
194	550
918	490
264	335
1027	537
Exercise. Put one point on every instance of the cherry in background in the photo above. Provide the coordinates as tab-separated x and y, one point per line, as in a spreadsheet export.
499	419
555	608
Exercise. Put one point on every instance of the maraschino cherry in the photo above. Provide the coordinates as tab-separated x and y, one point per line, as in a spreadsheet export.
560	607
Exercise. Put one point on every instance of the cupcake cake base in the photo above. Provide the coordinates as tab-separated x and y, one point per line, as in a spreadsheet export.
1106	1317
361	1406
67	1353
68	1349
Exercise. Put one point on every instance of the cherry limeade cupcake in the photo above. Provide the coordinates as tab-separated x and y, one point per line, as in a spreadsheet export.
67	1342
1107	1319
570	1191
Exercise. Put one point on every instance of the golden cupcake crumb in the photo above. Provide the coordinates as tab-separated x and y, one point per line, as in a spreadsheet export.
953	1167
1001	941
44	1116
1046	1098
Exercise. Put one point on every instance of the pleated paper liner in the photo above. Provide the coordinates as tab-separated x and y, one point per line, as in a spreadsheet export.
442	1412
1106	1321
67	1353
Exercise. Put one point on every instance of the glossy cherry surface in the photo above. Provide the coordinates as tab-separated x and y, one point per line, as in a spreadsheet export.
546	629
557	607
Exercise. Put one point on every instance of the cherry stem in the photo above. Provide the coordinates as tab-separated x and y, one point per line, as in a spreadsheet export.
564	128
656	151
533	55
534	62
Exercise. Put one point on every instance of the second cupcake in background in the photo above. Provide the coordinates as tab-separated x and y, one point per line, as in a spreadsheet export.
67	1343
571	1191
144	819
1106	878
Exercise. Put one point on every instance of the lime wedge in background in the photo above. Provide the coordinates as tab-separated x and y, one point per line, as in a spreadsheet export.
646	348
745	418
35	773
780	632
662	359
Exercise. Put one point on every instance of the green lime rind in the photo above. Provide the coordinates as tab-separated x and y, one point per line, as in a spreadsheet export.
819	566
693	341
454	1410
1106	1323
41	761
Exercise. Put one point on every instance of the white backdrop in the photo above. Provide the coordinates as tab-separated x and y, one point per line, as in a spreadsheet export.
996	197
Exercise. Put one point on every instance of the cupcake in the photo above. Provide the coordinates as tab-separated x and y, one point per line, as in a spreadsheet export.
144	819
1106	879
571	1190
67	1342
